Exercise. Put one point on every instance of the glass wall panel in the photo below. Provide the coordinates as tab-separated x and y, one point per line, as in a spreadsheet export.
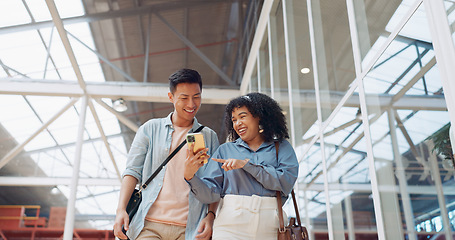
50	153
313	210
375	20
254	79
264	67
300	69
279	77
348	175
309	157
351	204
333	49
407	112
450	8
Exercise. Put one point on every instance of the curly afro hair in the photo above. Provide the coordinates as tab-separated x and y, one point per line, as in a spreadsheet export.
268	111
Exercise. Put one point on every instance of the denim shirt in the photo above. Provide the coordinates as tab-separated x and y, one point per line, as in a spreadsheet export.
263	174
149	149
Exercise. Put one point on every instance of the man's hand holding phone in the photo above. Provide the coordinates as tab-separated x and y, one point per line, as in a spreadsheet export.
197	154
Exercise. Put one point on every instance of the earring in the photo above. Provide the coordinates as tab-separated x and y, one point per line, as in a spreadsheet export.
261	129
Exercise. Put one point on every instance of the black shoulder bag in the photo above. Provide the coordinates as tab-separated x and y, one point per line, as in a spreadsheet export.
136	196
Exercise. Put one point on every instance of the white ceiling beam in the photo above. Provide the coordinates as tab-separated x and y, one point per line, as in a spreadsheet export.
146	92
152	92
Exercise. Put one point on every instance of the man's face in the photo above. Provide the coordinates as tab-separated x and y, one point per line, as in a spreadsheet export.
186	100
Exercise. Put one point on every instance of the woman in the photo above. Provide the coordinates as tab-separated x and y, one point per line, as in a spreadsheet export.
246	173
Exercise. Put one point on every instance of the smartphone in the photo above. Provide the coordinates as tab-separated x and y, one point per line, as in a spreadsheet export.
198	140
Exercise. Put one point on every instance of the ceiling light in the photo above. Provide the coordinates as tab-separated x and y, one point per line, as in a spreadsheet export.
305	70
119	105
55	190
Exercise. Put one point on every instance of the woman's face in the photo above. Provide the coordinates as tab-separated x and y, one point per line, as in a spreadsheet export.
245	125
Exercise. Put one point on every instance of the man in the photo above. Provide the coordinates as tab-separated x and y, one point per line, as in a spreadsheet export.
168	210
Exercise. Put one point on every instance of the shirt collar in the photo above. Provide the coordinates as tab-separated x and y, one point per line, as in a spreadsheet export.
168	122
242	143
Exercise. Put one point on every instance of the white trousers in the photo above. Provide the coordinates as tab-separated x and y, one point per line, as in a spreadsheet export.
247	217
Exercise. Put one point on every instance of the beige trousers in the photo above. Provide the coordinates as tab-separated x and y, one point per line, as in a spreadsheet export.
247	217
154	230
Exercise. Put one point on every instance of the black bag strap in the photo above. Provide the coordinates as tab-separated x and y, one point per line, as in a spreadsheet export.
166	161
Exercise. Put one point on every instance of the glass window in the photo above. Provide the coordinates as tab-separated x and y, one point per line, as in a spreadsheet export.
406	112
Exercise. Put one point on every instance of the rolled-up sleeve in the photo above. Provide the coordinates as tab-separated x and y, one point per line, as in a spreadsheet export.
137	154
202	192
207	188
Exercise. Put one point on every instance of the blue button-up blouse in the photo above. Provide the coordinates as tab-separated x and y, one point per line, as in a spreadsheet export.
263	175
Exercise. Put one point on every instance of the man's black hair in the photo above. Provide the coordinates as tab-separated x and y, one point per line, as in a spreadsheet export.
184	75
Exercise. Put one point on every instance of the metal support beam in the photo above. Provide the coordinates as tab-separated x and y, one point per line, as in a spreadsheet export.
291	65
71	206
66	43
105	60
196	50
444	49
254	50
401	175
419	157
119	116
48	48
407	70
7	69
273	53
152	92
335	130
103	136
147	48
378	209
15	151
71	144
166	6
232	33
146	92
349	217
434	165
414	80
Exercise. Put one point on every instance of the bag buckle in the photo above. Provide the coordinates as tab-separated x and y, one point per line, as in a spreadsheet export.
138	193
